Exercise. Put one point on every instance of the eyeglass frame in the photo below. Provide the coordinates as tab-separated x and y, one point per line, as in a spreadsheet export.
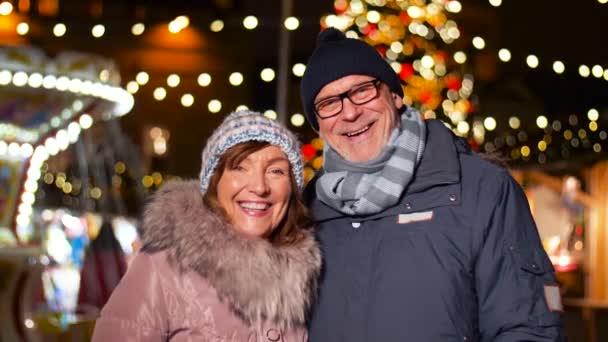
346	94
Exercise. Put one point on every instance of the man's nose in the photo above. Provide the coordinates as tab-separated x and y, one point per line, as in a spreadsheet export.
350	111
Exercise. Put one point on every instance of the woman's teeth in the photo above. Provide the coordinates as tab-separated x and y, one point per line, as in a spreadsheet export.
254	206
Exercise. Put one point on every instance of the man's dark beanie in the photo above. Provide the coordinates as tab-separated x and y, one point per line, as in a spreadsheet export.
336	56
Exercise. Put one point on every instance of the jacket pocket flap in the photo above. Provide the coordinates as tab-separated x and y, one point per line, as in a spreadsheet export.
528	262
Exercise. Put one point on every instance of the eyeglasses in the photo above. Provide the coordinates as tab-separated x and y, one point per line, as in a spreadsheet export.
360	94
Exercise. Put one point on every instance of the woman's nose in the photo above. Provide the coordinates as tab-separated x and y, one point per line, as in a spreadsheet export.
258	183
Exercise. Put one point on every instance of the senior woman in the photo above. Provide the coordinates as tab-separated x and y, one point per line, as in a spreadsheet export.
228	258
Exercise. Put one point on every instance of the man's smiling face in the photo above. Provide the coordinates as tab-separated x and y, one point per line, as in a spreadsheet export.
359	132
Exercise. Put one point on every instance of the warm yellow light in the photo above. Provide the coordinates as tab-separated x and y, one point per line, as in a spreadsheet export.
267	74
59	30
532	61
204	79
525	151
183	21
584	71
217	25
173	80
132	87
542	145
504	55
23	29
593	126
495	3
373	17
147	181
214	106
427	61
453	6
597	147
98	30
292	23
241	107
397	47
463	127
298	69
542	122
120	167
187	100
271	114
142	77
514	122
460	57
174	27
6	8
489	123
250	22
297	120
236	79
96	193
414	12
559	67
138	29
593	114
479	43
597	71
602	1
160	93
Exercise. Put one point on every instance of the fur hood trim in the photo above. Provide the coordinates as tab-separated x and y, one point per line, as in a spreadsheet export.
257	280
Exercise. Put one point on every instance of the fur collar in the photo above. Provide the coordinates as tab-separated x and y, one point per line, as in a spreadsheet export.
257	280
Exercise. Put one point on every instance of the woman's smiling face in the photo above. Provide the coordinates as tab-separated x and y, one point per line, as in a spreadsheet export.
255	193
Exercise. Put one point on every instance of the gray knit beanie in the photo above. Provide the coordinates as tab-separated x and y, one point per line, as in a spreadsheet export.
336	56
244	126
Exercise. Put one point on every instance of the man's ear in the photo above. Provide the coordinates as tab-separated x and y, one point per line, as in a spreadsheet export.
397	100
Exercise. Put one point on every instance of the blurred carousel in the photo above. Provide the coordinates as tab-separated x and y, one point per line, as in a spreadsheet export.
51	107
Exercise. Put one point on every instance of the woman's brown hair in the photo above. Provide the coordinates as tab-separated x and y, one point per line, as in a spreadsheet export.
297	217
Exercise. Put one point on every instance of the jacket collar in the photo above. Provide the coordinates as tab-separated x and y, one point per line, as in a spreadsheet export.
439	165
258	280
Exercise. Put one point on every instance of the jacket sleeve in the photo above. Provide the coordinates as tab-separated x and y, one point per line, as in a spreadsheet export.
515	279
136	310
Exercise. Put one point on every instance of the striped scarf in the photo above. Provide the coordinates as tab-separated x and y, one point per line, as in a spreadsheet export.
369	188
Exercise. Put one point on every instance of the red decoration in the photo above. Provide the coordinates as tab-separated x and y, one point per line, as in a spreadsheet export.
381	50
405	18
441	56
473	144
340	6
308	151
407	70
424	96
453	82
368	29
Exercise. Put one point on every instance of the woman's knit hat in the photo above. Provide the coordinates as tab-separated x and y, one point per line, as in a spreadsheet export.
336	56
244	126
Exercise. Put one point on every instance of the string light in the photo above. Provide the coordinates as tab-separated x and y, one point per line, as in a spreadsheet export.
292	23
138	29
173	80
250	22
532	61
98	30
204	79
160	93
235	79
504	55
59	30
217	25
214	106
23	28
142	77
6	8
187	100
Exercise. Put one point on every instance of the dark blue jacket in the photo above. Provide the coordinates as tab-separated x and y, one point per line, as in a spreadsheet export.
458	259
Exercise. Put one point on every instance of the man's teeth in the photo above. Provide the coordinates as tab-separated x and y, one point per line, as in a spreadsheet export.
350	134
255	206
